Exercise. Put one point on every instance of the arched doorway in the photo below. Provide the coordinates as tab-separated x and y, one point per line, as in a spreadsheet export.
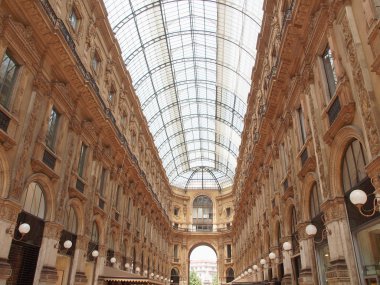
174	276
229	275
24	251
203	267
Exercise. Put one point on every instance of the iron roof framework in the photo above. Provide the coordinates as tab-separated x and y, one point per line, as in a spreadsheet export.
191	63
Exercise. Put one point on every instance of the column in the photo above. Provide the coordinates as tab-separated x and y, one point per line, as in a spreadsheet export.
287	262
342	269
8	218
46	272
307	255
77	275
99	264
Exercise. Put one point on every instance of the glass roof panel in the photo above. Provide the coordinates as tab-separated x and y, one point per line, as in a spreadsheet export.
191	63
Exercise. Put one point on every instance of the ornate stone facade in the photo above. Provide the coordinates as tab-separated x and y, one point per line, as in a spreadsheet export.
315	94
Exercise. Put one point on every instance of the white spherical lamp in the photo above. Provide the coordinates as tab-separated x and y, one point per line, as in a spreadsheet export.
255	267
127	265
152	274
263	261
95	253
311	230
113	260
249	270
157	276
138	269
272	255
287	246
162	277
245	273
67	244
358	197
24	228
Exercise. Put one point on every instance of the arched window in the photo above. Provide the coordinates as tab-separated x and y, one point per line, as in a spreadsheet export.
70	224
229	275
202	213
94	242
33	200
315	201
353	166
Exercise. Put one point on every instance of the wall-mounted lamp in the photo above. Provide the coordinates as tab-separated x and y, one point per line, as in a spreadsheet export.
311	231
255	267
127	265
152	275
263	261
359	198
249	270
95	253
23	229
287	246
113	260
272	256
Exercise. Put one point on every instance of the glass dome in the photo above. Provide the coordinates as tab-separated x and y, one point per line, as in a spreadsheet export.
191	63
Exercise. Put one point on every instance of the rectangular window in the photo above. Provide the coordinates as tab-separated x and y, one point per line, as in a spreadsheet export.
8	74
175	253
82	159
138	218
228	251
328	65
176	211
116	201
73	19
301	120
95	61
102	182
228	212
52	128
111	95
129	209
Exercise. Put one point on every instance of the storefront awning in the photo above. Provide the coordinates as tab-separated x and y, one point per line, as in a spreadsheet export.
116	275
245	280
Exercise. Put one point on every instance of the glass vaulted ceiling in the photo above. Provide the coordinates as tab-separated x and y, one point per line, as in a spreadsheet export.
191	63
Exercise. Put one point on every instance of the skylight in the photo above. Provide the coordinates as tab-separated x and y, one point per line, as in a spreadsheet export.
191	63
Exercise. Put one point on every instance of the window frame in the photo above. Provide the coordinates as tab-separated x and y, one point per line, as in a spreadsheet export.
8	98
52	129
329	72
74	11
302	126
82	160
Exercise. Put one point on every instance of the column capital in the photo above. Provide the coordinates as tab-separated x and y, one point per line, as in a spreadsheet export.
9	210
334	209
53	230
82	242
